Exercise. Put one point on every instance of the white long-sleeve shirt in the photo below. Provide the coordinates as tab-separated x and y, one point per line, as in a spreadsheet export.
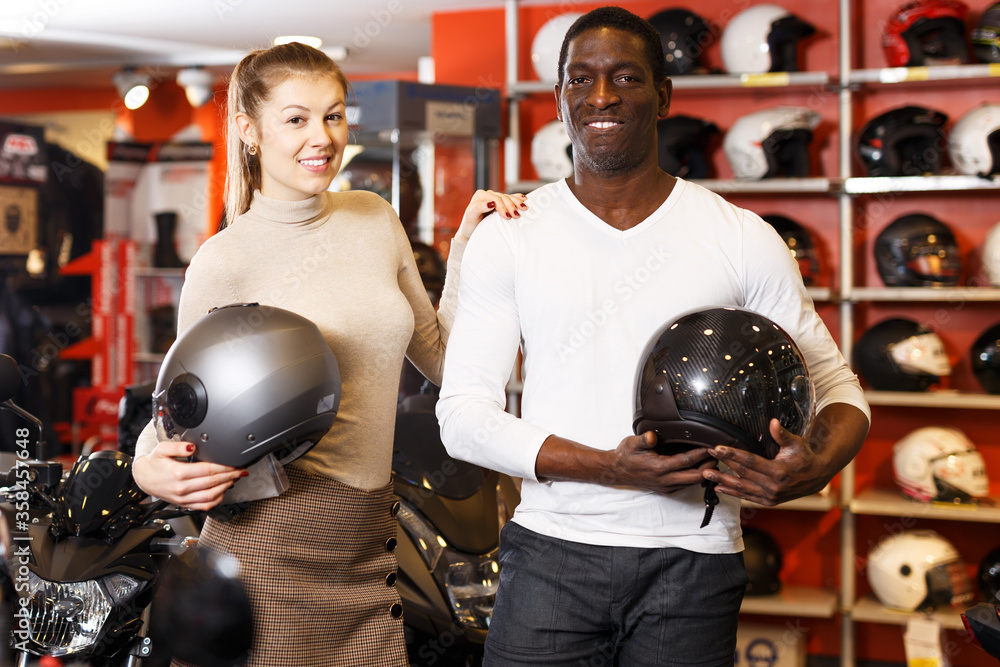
581	299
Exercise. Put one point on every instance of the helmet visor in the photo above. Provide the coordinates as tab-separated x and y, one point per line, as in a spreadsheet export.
964	473
163	422
934	263
948	584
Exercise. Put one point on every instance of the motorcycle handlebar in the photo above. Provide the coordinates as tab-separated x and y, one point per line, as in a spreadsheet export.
35	473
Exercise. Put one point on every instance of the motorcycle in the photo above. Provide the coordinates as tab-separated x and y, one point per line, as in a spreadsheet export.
450	515
84	553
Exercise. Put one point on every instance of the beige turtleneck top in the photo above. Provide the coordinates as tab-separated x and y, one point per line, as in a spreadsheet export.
343	261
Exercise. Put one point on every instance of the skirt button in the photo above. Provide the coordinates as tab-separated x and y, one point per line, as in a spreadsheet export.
396	610
390	579
394	510
390	544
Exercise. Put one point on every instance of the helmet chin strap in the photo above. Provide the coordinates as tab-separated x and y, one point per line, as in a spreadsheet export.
675	434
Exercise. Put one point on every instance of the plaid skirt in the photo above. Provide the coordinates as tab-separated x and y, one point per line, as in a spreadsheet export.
318	567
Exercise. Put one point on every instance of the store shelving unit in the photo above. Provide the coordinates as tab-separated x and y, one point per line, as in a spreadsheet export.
848	292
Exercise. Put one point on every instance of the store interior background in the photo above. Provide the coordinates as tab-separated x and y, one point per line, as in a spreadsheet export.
467	45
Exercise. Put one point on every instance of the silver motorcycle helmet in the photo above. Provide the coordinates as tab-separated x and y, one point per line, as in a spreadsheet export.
245	381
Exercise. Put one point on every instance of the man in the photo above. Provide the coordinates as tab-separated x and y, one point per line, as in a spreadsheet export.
604	556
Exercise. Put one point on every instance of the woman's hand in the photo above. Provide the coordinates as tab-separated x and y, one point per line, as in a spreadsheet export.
198	486
485	202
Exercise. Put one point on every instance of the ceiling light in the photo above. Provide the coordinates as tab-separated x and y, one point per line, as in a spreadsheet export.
132	86
314	42
197	84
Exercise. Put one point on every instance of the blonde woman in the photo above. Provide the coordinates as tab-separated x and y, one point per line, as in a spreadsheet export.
316	558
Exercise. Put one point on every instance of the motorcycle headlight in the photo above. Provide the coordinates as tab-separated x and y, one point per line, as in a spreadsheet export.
469	580
428	541
67	617
471	583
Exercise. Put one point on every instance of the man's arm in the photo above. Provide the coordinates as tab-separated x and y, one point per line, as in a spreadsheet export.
801	467
633	463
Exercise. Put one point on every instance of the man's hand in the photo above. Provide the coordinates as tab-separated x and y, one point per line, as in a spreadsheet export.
796	471
635	463
800	467
638	464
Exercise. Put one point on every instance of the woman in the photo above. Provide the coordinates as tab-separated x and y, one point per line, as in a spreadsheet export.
315	559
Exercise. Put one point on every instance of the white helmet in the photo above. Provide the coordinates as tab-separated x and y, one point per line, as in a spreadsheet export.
547	43
974	142
771	142
551	151
939	463
918	569
991	255
763	38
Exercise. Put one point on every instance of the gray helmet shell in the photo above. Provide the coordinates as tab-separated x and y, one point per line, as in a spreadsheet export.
247	380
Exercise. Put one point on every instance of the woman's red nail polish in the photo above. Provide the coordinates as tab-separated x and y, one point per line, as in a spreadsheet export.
245	473
491	204
190	449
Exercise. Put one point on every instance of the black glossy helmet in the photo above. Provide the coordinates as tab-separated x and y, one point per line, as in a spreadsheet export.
682	145
926	32
901	355
762	559
247	380
985	357
684	36
918	250
800	244
718	377
985	36
203	613
906	141
988	577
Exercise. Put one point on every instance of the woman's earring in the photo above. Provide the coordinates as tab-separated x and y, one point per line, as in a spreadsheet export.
253	149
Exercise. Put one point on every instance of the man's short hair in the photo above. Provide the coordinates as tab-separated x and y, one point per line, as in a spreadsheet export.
620	19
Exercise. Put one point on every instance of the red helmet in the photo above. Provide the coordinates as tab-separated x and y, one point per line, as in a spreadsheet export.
926	31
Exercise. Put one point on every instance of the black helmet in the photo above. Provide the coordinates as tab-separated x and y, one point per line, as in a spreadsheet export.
682	145
684	36
926	32
906	141
901	355
800	244
203	613
985	356
762	560
988	577
985	36
918	250
719	376
246	380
